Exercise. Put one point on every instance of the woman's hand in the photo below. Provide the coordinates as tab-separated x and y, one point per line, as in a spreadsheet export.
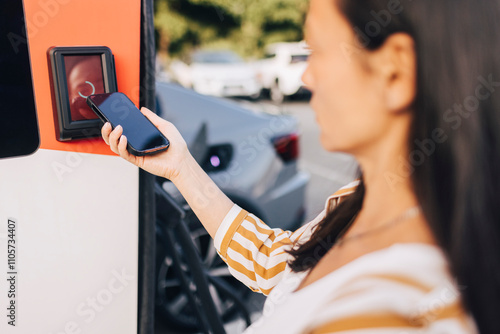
208	202
166	164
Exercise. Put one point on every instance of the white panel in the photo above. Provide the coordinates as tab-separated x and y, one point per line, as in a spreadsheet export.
77	243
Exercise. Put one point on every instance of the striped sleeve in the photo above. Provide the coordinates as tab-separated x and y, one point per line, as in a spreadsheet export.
257	254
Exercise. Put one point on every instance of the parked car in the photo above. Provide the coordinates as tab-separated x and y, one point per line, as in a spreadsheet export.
281	70
218	73
252	156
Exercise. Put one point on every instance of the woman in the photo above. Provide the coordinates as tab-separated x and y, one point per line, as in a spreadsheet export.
408	88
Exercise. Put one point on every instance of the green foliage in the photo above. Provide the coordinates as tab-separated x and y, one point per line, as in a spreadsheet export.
245	26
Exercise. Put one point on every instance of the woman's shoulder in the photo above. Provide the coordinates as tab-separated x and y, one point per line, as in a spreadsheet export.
333	200
425	264
347	189
304	233
409	284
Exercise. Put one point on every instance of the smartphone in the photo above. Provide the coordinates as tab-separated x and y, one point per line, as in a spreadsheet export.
143	138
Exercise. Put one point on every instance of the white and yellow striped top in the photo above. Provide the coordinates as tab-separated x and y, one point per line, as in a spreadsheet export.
403	289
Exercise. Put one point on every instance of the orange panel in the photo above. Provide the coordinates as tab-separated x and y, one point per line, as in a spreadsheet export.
112	23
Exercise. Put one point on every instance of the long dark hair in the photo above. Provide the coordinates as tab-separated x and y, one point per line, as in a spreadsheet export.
454	141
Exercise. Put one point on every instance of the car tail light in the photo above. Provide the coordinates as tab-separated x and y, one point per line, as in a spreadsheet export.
287	147
299	59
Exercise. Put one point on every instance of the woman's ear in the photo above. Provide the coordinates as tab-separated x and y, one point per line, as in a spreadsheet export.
395	64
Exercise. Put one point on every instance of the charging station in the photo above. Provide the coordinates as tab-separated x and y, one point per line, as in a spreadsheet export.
78	72
76	221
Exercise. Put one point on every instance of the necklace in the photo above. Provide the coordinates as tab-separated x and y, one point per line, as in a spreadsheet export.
407	214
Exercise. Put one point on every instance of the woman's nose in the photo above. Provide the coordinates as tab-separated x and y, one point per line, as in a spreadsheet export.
307	78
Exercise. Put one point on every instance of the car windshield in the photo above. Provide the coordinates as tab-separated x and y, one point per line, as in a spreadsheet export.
216	58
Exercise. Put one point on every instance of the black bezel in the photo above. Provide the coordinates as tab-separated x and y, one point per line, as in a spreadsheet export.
66	129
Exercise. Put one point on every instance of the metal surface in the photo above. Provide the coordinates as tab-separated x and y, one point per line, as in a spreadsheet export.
147	203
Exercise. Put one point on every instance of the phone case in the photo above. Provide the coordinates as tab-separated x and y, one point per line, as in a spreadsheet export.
130	148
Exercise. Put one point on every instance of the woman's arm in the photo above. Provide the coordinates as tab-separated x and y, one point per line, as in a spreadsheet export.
204	197
256	254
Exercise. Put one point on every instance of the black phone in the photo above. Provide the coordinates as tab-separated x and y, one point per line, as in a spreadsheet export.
142	136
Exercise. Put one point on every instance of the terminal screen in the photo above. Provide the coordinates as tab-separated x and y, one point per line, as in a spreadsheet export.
84	77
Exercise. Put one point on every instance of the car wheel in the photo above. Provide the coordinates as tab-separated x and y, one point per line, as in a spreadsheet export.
173	306
276	94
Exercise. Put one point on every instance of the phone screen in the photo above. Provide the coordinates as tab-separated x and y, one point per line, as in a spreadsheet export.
142	135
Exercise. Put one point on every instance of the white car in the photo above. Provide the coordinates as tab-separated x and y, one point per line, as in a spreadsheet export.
219	73
281	70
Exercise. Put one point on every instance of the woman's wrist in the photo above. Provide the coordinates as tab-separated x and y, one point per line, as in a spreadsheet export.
204	197
186	168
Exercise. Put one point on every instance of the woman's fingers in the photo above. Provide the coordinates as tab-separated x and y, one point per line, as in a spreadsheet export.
123	152
105	131
114	137
117	142
122	145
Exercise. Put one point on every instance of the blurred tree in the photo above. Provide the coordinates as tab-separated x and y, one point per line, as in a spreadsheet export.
244	26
